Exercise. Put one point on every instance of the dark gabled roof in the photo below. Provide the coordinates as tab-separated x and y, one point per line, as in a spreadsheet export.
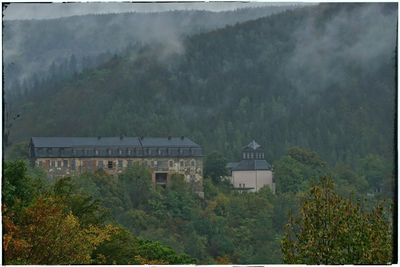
112	142
167	142
251	164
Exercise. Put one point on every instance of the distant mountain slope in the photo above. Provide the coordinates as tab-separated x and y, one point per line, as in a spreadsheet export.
34	46
320	77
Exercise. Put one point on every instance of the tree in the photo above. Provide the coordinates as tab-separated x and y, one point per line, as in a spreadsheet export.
298	169
375	170
137	179
215	167
18	187
151	252
49	235
333	230
121	248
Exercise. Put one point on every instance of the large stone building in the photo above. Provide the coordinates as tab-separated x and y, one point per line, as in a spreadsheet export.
253	172
61	156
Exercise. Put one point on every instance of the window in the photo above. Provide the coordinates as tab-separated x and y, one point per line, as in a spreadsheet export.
155	163
73	164
100	164
171	163
244	155
240	185
120	151
96	152
181	164
110	164
186	163
65	163
159	152
52	163
129	152
193	163
120	164
59	163
109	152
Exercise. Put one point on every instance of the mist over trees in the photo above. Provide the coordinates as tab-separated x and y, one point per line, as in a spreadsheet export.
252	80
33	48
314	85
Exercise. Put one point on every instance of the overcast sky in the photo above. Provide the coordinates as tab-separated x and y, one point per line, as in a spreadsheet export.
56	10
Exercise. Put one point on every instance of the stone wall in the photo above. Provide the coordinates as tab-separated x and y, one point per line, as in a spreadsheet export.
191	168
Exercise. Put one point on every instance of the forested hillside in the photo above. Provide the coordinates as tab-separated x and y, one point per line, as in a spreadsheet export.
95	218
315	86
321	77
35	49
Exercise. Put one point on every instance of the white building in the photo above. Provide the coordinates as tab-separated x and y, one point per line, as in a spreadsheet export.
253	172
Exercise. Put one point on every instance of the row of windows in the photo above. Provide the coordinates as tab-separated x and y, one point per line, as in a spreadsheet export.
120	151
110	164
251	155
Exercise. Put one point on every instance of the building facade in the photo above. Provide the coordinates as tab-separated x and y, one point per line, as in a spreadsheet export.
64	156
253	172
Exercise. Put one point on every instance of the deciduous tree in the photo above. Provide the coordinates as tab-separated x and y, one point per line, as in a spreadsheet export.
333	230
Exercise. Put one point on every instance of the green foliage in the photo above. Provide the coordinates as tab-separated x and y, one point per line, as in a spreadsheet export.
333	230
296	171
375	170
174	225
18	187
156	251
215	166
138	179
